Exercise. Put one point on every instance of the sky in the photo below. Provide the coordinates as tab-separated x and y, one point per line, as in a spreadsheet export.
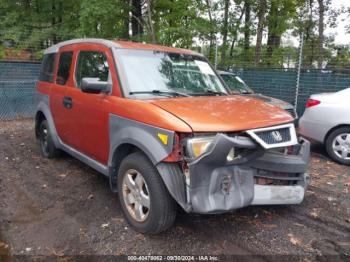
341	37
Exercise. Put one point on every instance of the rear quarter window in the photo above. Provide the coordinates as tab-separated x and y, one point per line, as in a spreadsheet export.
47	68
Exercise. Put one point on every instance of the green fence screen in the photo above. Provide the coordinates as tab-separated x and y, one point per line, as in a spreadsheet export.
17	85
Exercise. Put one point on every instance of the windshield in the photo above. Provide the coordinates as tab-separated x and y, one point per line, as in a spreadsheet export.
147	72
236	84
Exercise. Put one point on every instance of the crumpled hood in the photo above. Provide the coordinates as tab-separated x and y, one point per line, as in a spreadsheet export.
223	113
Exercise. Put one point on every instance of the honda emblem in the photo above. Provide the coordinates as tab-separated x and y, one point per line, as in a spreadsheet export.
277	136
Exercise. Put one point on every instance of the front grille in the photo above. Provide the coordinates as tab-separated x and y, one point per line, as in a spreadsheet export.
263	177
275	136
291	112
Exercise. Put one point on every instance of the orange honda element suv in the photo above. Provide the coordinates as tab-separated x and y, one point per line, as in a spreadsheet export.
161	125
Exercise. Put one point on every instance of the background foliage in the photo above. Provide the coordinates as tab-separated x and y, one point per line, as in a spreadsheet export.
246	33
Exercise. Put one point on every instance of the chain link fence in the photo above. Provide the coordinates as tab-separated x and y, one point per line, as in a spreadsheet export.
17	89
276	77
17	85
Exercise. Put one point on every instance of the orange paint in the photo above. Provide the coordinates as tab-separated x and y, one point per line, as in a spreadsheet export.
224	113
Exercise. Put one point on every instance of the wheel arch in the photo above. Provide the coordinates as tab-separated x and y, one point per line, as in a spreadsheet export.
119	153
122	151
43	110
333	129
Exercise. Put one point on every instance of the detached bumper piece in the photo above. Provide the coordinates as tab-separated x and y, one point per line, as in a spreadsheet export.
251	175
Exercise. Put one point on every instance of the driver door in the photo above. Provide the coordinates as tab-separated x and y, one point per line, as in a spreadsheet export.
90	112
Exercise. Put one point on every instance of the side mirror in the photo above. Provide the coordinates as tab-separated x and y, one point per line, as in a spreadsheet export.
93	85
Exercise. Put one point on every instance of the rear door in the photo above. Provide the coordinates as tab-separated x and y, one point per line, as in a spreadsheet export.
58	106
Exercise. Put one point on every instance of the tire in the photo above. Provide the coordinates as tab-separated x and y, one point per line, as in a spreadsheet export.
47	145
161	212
339	139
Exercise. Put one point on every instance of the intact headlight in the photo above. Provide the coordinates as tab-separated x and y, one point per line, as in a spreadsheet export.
199	145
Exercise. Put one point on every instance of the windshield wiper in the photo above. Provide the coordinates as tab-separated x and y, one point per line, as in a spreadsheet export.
159	92
211	92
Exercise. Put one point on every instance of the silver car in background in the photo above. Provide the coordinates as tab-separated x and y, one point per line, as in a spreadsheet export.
237	85
327	120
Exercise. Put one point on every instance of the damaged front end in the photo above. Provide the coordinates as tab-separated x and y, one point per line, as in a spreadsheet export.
228	171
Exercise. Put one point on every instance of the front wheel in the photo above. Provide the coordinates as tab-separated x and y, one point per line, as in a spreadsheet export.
146	203
338	145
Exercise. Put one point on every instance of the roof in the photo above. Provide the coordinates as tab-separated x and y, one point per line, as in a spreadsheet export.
120	44
137	45
55	48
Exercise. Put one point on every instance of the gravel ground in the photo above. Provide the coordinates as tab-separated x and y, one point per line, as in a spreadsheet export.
62	207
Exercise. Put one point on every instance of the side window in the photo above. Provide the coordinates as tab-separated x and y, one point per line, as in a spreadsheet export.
91	64
47	68
64	67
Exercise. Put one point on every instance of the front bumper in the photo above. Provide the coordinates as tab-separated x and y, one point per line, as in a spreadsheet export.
259	177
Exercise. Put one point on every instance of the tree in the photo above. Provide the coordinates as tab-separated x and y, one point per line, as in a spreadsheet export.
320	33
261	24
33	25
136	20
341	59
212	36
179	22
311	22
104	18
236	18
225	30
151	31
278	21
247	23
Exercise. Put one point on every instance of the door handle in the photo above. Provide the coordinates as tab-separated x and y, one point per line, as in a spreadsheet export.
68	102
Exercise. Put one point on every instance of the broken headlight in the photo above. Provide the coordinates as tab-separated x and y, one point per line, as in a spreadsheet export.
198	146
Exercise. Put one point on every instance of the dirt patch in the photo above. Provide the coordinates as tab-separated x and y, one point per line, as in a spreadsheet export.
4	250
63	207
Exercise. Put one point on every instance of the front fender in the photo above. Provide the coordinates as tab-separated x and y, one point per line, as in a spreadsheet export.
143	136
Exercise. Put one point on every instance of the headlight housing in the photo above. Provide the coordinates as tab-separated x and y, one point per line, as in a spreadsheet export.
198	146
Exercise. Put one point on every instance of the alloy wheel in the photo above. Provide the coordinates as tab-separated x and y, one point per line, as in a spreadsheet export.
341	146
136	195
44	139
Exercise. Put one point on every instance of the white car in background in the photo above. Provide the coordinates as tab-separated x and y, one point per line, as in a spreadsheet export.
327	120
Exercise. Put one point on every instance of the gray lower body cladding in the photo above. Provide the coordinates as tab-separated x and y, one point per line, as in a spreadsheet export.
218	185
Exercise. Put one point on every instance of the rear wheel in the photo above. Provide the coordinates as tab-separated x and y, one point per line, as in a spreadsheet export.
47	145
338	145
146	202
